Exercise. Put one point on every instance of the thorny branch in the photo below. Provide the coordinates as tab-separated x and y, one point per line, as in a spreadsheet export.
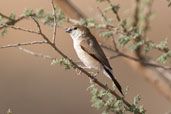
23	44
145	63
81	69
36	54
54	21
39	32
11	22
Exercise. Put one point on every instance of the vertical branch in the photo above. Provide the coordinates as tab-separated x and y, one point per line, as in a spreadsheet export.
114	10
54	19
113	39
136	13
147	19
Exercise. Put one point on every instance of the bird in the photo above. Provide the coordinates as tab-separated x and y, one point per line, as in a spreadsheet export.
90	53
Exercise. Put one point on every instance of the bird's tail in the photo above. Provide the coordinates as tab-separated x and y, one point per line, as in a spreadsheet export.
108	72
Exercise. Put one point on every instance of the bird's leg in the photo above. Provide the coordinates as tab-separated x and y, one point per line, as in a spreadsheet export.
83	67
94	75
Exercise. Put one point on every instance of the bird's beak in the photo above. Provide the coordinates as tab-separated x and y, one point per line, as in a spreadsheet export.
68	30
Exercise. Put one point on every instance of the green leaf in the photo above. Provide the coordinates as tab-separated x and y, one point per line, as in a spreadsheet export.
136	100
28	12
90	87
12	16
82	21
169	5
149	47
142	110
107	34
100	0
54	61
107	9
91	22
135	46
4	32
39	13
116	7
118	105
66	63
123	40
9	111
163	44
164	57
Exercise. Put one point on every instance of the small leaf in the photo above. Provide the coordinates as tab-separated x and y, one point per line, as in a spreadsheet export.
163	44
142	110
116	7
54	61
123	40
149	47
4	32
136	99
28	12
82	21
107	9
12	16
100	0
90	87
9	111
164	57
39	13
107	34
135	46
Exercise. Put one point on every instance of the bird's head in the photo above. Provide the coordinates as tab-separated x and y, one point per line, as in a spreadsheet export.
77	32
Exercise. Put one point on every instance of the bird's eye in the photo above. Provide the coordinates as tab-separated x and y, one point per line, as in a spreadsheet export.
75	28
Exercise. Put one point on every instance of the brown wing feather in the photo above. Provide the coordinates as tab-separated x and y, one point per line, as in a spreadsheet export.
96	51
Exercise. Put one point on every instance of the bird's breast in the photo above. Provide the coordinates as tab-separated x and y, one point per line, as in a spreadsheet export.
87	59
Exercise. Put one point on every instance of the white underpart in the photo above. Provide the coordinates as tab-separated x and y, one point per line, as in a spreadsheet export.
87	59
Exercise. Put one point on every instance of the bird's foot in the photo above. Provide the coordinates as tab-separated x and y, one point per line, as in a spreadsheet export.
79	71
91	80
95	74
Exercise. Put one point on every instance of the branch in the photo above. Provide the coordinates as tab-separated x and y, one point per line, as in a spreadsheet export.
54	20
68	10
145	63
154	73
136	13
6	17
147	19
114	11
18	28
36	54
23	44
11	22
76	66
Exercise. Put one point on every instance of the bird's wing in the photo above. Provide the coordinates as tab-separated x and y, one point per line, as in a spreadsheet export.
92	47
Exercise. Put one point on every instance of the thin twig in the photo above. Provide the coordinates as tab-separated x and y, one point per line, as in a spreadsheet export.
145	63
18	28
36	54
13	21
6	17
54	20
136	13
113	39
23	44
114	44
102	14
147	18
114	11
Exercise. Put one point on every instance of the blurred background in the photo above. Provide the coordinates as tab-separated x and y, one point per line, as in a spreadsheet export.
31	85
